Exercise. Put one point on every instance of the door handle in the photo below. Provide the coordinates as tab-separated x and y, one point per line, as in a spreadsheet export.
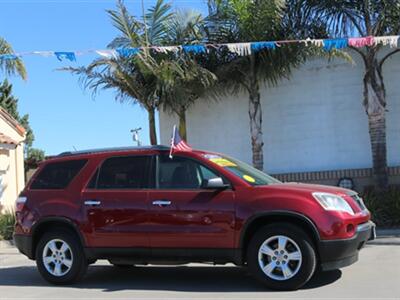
92	202
161	202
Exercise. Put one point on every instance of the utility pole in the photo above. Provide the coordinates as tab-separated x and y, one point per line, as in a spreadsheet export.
135	135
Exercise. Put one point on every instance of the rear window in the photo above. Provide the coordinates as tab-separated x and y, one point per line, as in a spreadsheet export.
57	176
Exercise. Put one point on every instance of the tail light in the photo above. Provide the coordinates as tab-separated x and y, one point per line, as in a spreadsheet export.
20	203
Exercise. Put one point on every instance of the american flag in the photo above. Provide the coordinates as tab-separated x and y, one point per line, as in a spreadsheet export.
177	143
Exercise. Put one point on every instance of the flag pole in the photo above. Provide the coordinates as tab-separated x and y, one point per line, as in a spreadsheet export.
172	141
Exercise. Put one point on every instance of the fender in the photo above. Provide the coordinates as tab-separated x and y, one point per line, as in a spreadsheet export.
62	220
279	213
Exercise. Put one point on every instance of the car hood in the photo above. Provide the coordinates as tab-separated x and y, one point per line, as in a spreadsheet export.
311	188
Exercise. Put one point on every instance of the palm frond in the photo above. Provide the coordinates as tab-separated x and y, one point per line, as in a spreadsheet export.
128	26
185	27
156	21
11	67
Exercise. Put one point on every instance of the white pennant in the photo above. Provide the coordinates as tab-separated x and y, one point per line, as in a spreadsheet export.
166	49
317	43
240	48
390	40
44	53
107	53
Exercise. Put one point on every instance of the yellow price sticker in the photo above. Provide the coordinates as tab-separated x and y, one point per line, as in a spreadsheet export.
223	162
249	178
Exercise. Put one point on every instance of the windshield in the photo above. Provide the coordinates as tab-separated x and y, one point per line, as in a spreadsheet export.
244	171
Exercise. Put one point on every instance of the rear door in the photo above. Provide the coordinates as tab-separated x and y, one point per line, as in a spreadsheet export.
184	215
115	202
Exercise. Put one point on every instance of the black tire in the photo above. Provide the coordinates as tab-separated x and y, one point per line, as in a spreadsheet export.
303	241
79	262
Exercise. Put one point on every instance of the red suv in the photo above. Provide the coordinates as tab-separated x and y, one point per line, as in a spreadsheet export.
139	206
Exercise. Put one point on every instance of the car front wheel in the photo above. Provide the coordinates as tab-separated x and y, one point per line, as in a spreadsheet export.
282	256
60	258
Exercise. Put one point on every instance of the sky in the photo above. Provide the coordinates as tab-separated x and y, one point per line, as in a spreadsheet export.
62	114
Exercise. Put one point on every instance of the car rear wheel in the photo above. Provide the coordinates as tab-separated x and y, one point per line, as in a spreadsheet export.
60	258
282	256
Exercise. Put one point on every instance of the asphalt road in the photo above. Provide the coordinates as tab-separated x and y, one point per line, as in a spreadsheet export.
375	276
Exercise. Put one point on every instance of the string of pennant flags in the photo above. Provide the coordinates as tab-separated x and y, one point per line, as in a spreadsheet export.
241	49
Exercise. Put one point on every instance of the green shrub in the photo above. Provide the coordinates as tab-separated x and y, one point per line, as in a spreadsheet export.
7	222
384	206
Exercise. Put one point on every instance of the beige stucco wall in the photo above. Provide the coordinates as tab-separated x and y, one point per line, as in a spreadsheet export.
12	178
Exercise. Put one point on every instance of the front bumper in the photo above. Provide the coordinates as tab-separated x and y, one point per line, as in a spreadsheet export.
336	254
24	244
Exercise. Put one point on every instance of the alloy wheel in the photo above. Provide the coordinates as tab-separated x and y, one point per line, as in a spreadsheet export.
279	257
57	257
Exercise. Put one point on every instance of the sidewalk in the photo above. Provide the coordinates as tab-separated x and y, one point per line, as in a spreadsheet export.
6	245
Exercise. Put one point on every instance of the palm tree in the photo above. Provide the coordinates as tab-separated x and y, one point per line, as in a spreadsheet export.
181	81
363	18
246	21
13	66
192	80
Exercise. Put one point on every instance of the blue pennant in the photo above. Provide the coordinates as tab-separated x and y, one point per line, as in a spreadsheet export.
65	55
8	57
127	52
194	49
258	46
335	44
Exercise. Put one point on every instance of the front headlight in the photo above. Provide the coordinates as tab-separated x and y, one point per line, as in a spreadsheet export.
333	202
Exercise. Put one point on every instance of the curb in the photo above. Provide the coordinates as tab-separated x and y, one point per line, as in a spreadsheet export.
390	232
386	237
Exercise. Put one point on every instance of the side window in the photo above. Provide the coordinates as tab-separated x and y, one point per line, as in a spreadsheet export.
181	173
57	176
125	172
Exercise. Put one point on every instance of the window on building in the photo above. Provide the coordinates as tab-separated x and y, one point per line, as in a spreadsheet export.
127	172
58	175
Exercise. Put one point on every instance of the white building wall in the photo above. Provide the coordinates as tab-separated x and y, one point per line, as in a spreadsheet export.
314	121
12	176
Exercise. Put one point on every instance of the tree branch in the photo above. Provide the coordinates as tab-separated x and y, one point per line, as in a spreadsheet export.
364	57
356	25
387	56
367	17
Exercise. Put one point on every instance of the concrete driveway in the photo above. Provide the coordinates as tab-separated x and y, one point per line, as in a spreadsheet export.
375	276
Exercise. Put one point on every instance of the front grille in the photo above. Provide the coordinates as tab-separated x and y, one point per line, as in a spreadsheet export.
359	201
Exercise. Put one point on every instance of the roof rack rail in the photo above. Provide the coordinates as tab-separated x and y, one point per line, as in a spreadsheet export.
112	149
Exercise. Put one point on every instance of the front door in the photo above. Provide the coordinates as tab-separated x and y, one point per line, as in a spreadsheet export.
115	203
184	215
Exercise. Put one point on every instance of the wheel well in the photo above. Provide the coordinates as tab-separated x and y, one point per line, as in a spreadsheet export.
261	221
52	225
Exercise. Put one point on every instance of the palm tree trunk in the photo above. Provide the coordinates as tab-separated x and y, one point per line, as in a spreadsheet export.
375	104
182	123
152	126
255	115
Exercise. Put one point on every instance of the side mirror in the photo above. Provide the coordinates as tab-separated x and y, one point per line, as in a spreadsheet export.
214	183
